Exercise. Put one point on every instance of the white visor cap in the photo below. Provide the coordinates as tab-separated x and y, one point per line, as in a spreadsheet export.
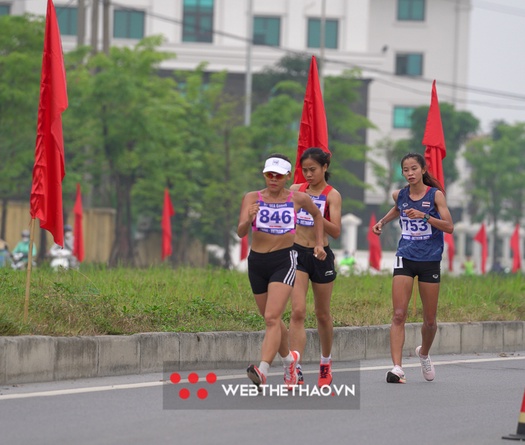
277	165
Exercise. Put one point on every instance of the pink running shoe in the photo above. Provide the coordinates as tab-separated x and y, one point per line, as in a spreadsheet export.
290	372
256	376
396	375
325	375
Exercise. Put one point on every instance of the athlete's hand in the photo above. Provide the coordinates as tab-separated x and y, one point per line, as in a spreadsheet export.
252	211
414	214
319	253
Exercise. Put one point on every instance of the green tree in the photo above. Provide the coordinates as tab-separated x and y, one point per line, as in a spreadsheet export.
497	176
21	45
458	127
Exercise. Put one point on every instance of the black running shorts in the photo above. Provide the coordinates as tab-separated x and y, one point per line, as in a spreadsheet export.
318	271
426	271
264	268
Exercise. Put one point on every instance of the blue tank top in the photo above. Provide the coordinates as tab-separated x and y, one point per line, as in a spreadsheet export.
419	240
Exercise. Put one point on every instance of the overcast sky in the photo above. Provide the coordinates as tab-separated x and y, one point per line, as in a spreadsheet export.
497	59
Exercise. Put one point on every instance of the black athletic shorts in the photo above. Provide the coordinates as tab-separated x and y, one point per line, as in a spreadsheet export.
426	271
318	271
264	268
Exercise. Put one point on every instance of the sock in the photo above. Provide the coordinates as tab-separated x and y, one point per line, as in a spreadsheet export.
326	360
287	360
264	367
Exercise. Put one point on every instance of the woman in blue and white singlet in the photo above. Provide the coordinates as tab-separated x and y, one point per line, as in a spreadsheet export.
423	216
271	214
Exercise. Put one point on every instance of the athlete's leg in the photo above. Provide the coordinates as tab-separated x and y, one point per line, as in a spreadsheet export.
272	308
297	333
429	298
401	292
325	325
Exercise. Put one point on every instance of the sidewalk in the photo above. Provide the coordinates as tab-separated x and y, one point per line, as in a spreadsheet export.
29	359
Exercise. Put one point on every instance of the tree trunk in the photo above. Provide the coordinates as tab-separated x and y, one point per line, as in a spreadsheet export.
122	250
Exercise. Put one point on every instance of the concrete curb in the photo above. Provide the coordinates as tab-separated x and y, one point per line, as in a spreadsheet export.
29	359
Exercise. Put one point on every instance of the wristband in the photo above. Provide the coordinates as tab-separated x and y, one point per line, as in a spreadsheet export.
426	217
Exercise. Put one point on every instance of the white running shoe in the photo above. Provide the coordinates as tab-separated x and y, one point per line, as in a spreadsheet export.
396	375
427	368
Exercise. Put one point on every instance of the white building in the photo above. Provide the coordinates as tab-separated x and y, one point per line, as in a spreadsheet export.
402	45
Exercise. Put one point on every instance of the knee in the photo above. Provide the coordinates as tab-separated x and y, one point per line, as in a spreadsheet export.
298	315
323	317
271	320
399	317
430	323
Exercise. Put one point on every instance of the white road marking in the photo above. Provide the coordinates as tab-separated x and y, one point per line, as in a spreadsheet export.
61	392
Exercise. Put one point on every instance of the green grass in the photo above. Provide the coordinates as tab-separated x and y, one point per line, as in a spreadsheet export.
96	301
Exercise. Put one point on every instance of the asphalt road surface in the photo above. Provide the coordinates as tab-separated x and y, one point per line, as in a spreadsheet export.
475	399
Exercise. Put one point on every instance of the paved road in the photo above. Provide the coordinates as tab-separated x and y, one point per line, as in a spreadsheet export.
474	400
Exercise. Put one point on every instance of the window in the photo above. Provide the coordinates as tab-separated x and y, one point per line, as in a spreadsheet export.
128	24
198	21
330	33
413	10
267	31
403	117
67	20
409	64
4	9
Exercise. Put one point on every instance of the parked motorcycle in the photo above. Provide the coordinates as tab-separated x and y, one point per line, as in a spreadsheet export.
62	258
19	261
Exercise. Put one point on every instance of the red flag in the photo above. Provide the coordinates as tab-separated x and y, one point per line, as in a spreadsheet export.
515	246
451	250
313	131
49	168
167	213
374	245
434	140
78	244
244	247
481	237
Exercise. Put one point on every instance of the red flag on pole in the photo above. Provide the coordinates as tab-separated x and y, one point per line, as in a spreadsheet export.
167	213
313	131
435	152
78	243
374	245
434	140
515	246
451	250
49	168
481	237
244	247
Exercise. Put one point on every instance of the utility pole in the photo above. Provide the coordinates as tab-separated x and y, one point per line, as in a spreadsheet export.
94	26
322	45
248	80
105	27
81	23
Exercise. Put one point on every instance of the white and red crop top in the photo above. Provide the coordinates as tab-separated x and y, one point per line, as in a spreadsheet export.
275	218
321	201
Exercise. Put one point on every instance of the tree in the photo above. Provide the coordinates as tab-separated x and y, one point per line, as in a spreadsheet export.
458	127
21	45
497	175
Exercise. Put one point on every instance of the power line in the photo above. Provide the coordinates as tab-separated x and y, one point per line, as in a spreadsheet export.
419	79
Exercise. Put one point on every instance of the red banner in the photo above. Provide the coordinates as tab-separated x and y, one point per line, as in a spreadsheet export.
313	131
481	237
49	169
374	245
78	243
167	213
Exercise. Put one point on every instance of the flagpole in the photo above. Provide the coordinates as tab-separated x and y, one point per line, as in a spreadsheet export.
29	267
